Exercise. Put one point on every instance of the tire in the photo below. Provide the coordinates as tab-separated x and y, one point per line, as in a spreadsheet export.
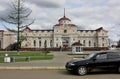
82	70
118	69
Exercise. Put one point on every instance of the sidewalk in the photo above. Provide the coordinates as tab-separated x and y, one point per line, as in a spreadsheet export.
58	62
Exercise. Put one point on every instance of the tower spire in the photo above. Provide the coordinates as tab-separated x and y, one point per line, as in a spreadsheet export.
64	12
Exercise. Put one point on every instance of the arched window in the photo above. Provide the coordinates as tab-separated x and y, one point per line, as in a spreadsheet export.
89	43
34	43
84	42
94	44
56	45
39	43
26	45
45	43
0	44
103	45
103	39
50	43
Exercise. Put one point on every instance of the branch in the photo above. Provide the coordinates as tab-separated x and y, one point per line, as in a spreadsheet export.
12	17
11	30
8	21
25	16
27	24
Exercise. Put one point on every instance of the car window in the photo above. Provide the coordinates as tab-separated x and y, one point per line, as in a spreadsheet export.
101	56
113	55
90	56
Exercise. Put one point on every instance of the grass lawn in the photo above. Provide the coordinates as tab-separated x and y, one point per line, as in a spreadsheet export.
26	56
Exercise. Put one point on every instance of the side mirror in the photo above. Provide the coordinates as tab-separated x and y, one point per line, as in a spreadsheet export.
94	59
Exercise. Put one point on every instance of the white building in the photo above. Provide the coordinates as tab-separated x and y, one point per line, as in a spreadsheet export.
6	39
64	34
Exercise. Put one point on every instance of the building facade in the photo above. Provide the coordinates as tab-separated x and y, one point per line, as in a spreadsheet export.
6	39
64	34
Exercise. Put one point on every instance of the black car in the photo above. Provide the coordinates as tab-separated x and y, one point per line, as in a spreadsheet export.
101	60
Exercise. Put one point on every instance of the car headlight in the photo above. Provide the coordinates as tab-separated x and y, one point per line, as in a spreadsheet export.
72	64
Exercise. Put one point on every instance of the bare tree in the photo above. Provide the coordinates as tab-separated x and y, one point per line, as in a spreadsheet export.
18	16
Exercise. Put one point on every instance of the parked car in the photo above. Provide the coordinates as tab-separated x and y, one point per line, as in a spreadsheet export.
99	60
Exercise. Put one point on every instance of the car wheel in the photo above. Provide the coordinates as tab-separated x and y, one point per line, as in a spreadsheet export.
119	69
82	70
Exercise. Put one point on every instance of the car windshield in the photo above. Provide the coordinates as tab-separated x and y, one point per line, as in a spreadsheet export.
90	56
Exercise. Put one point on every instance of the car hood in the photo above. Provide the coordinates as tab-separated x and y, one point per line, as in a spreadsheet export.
77	60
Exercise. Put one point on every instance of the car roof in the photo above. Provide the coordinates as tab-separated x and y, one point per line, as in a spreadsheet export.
100	52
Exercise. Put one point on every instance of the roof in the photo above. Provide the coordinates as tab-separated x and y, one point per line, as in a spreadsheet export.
100	52
64	18
77	44
72	25
86	30
1	30
39	30
101	28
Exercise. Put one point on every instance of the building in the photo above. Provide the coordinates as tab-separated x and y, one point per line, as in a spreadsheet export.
77	48
6	39
63	35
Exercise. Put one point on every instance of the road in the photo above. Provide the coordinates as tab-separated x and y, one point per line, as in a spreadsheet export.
53	74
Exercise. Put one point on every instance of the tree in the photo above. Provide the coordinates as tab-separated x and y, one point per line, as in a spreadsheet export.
118	44
45	48
22	38
18	16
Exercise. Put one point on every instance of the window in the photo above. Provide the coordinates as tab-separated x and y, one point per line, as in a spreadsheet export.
56	39
101	56
56	30
34	43
94	44
103	45
77	49
65	31
84	42
103	39
26	39
56	45
39	43
26	34
26	45
113	55
73	39
50	43
45	43
0	44
89	43
39	37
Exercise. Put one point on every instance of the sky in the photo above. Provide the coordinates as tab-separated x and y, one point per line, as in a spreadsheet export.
86	14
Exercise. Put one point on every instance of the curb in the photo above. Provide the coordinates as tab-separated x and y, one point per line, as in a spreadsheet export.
32	68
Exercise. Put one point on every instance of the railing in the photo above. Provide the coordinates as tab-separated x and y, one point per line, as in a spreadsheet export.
24	58
82	55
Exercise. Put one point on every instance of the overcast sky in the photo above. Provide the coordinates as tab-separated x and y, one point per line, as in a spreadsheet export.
86	14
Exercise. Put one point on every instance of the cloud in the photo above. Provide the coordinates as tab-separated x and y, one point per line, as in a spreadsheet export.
48	3
87	14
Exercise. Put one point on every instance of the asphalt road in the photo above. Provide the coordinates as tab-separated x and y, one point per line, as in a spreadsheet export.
53	74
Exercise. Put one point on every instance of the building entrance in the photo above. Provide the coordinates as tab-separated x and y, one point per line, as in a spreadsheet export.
65	41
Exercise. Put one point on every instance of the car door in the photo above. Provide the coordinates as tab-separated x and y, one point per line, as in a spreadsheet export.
113	59
100	60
